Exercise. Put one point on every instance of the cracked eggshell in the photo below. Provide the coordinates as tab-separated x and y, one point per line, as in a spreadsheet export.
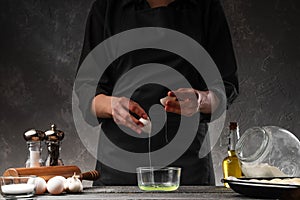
147	125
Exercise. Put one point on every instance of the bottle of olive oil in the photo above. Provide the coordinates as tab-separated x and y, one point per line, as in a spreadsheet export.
231	165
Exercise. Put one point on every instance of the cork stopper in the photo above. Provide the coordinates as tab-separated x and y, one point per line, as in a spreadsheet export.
233	125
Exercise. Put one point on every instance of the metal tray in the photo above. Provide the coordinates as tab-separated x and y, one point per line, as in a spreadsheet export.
264	190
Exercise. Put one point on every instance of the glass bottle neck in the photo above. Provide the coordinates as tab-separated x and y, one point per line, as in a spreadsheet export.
234	136
231	153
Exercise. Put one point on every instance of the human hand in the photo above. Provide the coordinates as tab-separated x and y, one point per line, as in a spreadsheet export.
121	109
182	101
189	101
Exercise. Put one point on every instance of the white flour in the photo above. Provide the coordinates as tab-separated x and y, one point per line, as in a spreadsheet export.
262	170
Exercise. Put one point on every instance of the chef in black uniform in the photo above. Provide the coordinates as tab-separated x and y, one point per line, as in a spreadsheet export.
202	20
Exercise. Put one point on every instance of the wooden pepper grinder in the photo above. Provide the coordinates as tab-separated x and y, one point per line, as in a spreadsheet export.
33	139
53	141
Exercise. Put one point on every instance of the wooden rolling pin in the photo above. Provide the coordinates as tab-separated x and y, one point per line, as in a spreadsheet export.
49	172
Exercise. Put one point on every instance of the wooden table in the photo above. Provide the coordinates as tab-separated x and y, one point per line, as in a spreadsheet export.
132	192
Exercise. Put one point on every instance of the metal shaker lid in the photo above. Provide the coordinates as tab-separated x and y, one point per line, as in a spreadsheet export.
54	135
34	135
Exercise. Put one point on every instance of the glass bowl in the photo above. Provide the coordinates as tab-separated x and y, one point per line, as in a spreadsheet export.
16	187
158	179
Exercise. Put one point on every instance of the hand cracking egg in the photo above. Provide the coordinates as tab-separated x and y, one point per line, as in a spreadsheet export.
147	125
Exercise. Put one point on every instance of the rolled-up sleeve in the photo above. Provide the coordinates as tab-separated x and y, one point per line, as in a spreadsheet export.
94	35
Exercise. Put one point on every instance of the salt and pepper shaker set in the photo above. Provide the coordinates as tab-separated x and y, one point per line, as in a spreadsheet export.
52	138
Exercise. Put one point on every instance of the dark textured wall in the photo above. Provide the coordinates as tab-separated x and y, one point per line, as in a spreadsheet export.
40	46
40	43
266	40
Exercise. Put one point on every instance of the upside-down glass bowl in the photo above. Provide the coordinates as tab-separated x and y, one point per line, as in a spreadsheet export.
269	151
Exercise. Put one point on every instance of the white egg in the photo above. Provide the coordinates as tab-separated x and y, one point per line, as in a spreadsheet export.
40	185
164	100
56	185
63	179
147	125
60	177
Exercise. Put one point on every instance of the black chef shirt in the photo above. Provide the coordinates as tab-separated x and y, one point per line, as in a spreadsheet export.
203	21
